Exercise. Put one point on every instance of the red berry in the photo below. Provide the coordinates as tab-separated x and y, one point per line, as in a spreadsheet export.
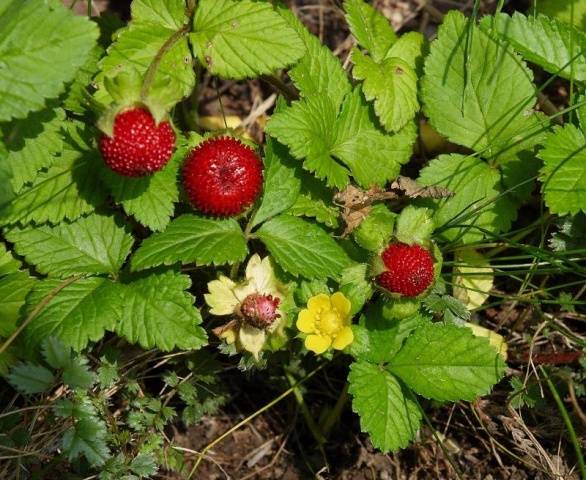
409	269
138	146
260	311
222	176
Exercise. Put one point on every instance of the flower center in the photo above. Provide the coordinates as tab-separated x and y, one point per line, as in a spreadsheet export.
260	311
329	322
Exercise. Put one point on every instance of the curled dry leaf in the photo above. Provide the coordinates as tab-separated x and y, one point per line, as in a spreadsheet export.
356	203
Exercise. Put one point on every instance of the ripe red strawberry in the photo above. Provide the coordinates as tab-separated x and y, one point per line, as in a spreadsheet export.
138	146
409	269
222	176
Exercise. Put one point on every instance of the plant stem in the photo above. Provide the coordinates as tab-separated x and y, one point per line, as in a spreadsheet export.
567	421
40	306
313	428
287	91
334	415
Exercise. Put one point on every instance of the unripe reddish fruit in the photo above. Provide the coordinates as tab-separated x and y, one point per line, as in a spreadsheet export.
409	269
260	311
222	177
137	146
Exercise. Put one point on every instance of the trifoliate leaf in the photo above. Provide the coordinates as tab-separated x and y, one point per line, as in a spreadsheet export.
356	286
414	225
378	337
563	175
370	28
387	413
93	244
33	144
446	362
556	47
41	47
29	378
243	39
392	85
302	248
77	374
478	200
159	313
313	131
151	199
13	291
463	90
193	239
319	71
473	278
66	191
88	438
281	185
153	24
79	313
55	353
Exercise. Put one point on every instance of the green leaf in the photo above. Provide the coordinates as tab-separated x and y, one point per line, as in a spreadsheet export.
307	127
319	71
243	39
409	48
55	353
78	98
13	291
153	23
572	12
556	47
476	92
79	313
302	248
564	170
281	185
41	48
314	132
77	374
570	234
144	465
356	286
307	205
93	244
151	199
378	337
392	85
8	264
477	202
386	411
414	225
29	378
159	313
370	28
445	362
66	191
193	239
88	438
32	144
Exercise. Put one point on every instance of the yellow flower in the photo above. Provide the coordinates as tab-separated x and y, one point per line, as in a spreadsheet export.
327	321
227	297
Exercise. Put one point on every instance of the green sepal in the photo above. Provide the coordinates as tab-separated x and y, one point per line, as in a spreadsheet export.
401	307
414	225
376	230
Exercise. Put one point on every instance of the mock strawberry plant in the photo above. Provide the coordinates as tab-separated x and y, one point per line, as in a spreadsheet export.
124	225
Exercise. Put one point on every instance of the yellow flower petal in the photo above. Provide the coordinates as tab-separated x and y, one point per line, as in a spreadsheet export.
251	339
341	303
306	321
343	339
229	336
221	299
319	302
317	343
